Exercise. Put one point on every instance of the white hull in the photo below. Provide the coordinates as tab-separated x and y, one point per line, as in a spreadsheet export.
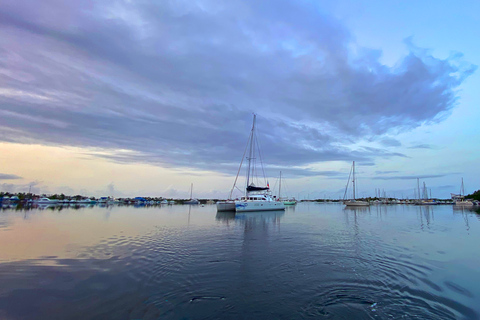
351	203
226	206
464	203
246	206
53	202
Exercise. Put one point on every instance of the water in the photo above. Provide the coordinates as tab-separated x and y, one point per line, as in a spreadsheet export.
317	261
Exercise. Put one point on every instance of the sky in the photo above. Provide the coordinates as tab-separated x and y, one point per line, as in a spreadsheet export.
146	98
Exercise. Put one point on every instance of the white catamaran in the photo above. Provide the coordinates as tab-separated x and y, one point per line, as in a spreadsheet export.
353	202
256	198
459	199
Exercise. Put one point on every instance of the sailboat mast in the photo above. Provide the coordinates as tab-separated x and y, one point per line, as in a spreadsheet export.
353	180
280	186
191	191
418	188
250	156
462	189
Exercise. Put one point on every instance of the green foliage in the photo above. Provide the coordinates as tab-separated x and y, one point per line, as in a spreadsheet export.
474	196
58	197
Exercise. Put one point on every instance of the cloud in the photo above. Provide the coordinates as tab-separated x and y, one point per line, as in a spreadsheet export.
386	172
409	177
5	176
390	142
445	187
36	187
421	146
175	83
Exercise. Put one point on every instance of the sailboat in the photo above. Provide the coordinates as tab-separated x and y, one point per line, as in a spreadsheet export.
192	201
353	202
286	201
256	198
423	198
459	199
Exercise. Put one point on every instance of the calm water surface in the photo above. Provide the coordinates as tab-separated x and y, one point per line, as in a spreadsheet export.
180	262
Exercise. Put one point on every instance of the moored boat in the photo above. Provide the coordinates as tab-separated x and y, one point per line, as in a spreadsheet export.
192	200
459	199
286	201
354	202
45	201
256	198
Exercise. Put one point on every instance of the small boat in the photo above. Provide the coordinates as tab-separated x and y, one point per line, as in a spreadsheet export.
353	202
287	202
192	200
45	201
290	202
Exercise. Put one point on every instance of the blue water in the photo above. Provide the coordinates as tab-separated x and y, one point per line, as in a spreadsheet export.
317	261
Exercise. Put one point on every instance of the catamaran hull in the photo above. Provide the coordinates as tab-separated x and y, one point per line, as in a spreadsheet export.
464	203
246	206
356	203
226	206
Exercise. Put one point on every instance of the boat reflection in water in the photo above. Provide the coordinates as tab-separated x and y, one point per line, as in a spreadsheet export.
272	215
225	216
250	216
357	209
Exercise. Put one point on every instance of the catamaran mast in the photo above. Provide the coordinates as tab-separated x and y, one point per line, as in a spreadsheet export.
250	156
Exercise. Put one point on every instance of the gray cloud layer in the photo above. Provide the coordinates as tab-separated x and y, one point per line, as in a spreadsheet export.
411	177
6	176
176	82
